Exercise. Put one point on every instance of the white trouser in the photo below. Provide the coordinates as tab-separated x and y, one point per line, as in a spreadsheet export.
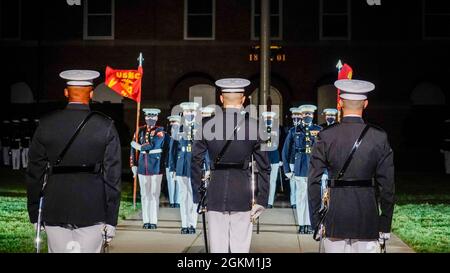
6	160
172	187
229	231
273	181
80	240
15	159
188	210
150	186
447	161
292	186
302	201
25	158
333	245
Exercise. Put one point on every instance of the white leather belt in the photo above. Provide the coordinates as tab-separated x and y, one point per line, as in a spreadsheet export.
154	151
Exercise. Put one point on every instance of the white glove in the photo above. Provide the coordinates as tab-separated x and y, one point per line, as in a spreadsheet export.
385	236
110	232
256	212
281	163
207	173
134	170
135	145
289	175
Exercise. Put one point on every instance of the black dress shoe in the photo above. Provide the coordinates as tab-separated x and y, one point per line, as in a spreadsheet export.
301	230
153	226
184	230
294	206
146	226
191	230
269	206
171	205
176	205
309	230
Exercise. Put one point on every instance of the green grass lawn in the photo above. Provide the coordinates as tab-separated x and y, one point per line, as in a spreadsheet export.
421	217
17	233
422	212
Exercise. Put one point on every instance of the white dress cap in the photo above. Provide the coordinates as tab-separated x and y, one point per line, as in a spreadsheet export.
174	118
354	89
268	114
330	111
295	110
151	111
207	110
233	85
189	105
79	77
307	108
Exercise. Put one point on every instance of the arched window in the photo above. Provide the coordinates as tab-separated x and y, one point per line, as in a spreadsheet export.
275	97
427	93
205	91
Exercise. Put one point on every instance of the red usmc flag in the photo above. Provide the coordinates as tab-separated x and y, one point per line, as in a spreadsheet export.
126	83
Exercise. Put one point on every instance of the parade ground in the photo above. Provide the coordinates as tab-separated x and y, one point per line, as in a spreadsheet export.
421	222
277	234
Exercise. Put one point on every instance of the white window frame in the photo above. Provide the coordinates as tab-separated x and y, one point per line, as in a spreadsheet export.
280	22
85	22
424	22
185	34
349	23
19	34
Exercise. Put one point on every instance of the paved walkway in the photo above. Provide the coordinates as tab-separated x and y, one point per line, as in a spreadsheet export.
278	234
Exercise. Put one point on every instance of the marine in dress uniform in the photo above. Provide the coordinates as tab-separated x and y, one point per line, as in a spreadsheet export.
25	141
171	161
303	139
361	200
330	119
288	156
147	167
16	145
6	142
274	155
207	112
185	137
82	195
230	205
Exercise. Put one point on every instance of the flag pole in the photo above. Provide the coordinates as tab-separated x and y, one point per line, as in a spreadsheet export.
339	67
138	112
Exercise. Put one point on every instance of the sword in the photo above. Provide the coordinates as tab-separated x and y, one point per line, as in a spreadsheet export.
382	245
254	221
105	247
38	239
201	209
281	179
320	228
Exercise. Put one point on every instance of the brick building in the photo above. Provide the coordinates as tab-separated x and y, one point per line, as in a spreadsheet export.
188	44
